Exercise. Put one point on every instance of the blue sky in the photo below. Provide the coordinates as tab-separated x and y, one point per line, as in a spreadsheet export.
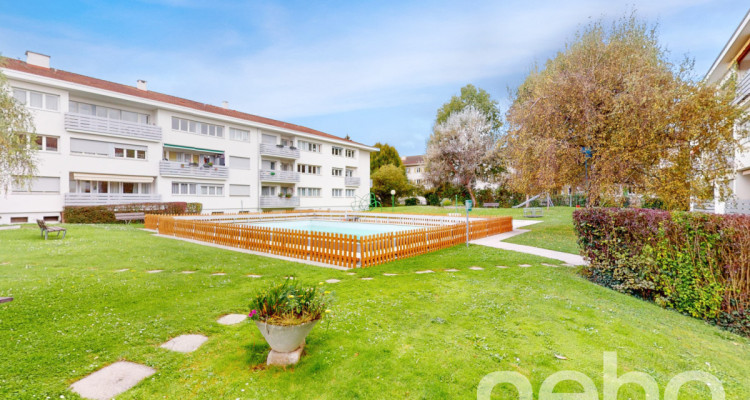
376	70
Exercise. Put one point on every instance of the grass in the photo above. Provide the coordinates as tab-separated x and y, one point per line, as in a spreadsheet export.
553	232
407	336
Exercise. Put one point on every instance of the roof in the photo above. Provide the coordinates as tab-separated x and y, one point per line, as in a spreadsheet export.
413	160
21	66
736	48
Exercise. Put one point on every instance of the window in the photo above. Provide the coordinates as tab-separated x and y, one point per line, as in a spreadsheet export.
212	190
47	143
337	192
128	151
337	172
308	169
287	190
268	139
350	192
349	173
239	162
89	147
267	165
309	146
200	128
308	192
408	170
239	190
38	184
184	188
107	112
268	191
419	169
351	153
239	134
19	220
39	100
337	151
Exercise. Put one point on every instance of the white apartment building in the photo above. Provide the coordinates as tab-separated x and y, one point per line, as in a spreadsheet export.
735	57
106	143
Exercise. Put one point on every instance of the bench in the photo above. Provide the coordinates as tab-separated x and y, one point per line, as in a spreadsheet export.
5	299
47	229
493	205
533	212
133	216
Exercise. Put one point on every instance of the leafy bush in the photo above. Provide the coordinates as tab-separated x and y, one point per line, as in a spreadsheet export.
289	304
433	199
194	208
698	264
446	202
411	201
653	203
106	214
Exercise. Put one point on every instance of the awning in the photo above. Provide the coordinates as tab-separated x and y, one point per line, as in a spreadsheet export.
112	178
175	146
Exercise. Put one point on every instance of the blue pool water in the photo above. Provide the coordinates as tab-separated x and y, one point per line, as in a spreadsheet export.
348	228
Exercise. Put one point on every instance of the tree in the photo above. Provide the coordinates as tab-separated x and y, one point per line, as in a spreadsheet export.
387	155
17	140
612	107
389	177
476	97
462	150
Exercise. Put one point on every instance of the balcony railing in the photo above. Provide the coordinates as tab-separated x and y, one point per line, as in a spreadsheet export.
278	202
279	176
97	199
743	88
175	168
278	151
351	181
113	127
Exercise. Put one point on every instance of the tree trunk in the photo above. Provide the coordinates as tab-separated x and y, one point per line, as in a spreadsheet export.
471	193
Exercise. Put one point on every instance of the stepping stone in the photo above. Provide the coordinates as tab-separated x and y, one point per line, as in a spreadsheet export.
219	273
231	319
501	266
568	265
427	271
111	380
185	343
333	281
188	272
121	270
549	265
451	270
524	265
476	268
390	274
351	273
155	271
5	299
253	276
366	279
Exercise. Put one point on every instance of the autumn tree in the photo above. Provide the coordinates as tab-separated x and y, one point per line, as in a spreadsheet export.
387	155
389	177
462	150
17	138
613	102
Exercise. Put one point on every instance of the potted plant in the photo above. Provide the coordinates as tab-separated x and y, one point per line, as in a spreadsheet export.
281	195
288	195
286	313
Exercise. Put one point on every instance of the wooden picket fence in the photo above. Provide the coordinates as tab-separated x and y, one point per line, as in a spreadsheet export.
330	248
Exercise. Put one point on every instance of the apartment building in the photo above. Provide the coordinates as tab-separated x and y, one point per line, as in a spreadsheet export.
735	59
414	166
102	142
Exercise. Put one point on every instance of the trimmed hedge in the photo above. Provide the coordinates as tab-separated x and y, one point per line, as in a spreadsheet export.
106	214
697	264
411	201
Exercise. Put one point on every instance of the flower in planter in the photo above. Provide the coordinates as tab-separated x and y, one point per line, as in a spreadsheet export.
288	304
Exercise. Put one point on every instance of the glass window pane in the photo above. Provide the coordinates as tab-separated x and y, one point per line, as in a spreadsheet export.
141	154
52	102
72	106
20	95
191	126
212	190
51	144
183	125
204	190
204	129
36	99
128	187
175	188
40	142
130	153
119	152
115	114
175	123
143	118
129	116
192	188
101	111
220	131
85	109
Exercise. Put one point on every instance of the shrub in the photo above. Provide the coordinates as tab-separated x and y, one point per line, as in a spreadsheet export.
289	304
433	199
411	201
194	208
698	264
446	202
106	214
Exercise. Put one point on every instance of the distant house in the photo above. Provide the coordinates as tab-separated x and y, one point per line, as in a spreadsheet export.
414	169
735	56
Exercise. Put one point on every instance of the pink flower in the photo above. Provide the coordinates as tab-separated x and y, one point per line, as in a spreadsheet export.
252	313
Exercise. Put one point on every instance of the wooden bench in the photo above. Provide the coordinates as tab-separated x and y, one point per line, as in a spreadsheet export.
47	229
533	212
493	205
133	216
5	299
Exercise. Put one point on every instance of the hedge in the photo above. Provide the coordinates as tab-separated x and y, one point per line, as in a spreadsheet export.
106	214
697	264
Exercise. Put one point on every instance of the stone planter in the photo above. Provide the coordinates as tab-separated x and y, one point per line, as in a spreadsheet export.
285	339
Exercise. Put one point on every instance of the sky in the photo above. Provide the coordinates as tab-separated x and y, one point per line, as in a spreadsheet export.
374	70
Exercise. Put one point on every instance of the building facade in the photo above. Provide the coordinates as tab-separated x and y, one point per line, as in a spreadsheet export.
735	59
106	143
414	167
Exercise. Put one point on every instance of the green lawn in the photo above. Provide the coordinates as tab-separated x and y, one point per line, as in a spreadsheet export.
429	336
554	232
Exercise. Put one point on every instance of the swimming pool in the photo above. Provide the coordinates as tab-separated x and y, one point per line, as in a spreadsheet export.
357	229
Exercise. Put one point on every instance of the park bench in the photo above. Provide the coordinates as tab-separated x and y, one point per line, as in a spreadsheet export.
533	212
47	229
132	216
493	205
5	299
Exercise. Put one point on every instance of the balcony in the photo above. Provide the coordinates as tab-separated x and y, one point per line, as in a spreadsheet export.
351	181
98	199
112	127
278	202
175	168
279	176
280	151
743	88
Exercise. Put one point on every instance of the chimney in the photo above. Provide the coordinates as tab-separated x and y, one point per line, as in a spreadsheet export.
141	84
225	104
37	59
